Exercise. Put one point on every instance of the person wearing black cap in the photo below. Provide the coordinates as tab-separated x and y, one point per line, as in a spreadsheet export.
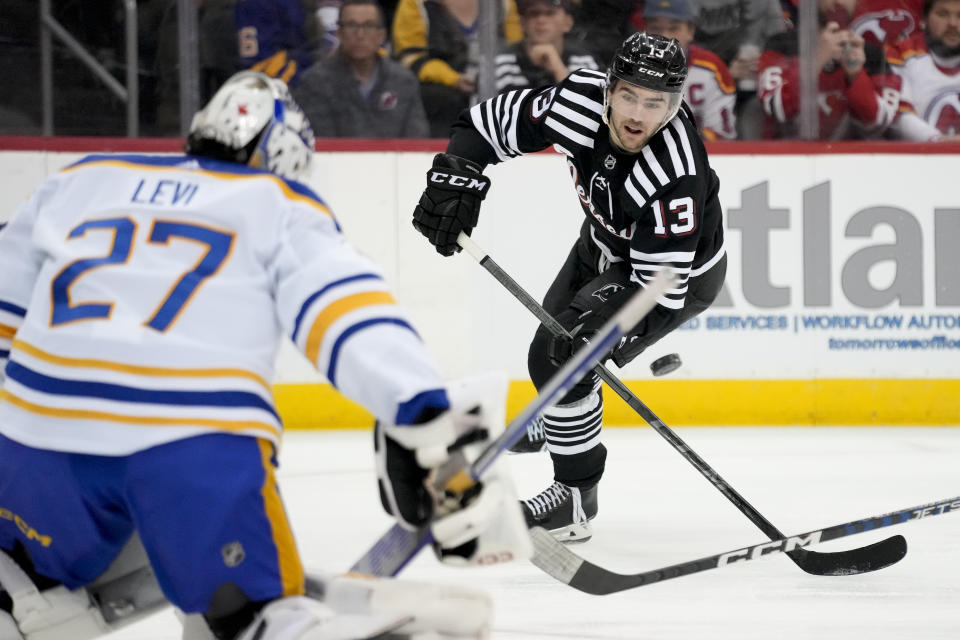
644	182
544	56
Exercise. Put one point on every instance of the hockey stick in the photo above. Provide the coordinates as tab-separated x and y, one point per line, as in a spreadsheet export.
556	559
839	563
398	546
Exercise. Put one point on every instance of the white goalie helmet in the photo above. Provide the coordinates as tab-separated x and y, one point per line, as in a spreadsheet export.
253	120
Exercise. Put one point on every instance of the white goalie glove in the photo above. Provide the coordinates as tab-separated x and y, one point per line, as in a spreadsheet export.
472	523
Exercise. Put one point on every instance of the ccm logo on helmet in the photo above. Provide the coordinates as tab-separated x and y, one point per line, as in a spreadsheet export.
466	183
650	72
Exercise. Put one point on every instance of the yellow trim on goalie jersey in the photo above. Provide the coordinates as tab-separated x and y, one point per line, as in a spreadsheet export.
846	402
288	558
7	332
89	363
221	175
335	310
231	426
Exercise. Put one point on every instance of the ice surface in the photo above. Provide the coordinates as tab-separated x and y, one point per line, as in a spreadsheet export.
656	509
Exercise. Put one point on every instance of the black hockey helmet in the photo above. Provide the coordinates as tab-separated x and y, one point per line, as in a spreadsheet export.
651	61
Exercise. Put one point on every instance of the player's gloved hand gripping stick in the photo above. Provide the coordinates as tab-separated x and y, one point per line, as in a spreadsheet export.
457	476
860	560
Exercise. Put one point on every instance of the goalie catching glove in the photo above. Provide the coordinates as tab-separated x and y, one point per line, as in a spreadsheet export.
471	522
451	202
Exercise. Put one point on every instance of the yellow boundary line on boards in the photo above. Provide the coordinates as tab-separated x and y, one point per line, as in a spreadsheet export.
696	402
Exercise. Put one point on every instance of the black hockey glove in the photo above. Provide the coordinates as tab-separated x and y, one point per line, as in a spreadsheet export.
605	302
451	202
561	348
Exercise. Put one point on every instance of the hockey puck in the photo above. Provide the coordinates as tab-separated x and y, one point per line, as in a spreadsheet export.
665	364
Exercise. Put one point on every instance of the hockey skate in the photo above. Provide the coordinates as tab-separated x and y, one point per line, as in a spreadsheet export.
564	511
534	440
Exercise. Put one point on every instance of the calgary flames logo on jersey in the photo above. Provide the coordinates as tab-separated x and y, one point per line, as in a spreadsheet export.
944	112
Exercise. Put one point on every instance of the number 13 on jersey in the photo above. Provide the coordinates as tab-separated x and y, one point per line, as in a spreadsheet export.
218	244
680	209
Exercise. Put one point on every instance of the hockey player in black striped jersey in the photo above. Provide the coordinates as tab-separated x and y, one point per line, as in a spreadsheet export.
645	184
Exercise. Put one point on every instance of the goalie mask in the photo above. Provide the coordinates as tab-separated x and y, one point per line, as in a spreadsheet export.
253	120
654	70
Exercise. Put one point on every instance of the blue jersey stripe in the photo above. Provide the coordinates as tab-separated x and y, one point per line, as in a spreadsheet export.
410	410
204	163
107	391
335	351
314	296
4	354
12	308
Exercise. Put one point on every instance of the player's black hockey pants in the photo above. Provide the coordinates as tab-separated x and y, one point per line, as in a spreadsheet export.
573	425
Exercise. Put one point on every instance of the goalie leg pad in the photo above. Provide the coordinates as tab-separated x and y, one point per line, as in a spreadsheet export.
446	611
8	627
301	618
126	592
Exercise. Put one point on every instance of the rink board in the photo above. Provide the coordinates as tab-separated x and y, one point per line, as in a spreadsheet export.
841	304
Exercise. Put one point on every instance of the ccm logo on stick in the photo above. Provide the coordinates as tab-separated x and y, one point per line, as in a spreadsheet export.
462	182
764	548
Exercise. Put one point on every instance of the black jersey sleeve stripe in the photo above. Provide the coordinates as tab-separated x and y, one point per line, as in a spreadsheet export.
568	134
497	120
513	108
589	76
481	122
501	110
565	112
649	263
580	100
709	263
634	191
678	169
677	124
641	177
654	165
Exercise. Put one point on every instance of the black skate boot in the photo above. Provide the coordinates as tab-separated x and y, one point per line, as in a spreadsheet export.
535	439
564	511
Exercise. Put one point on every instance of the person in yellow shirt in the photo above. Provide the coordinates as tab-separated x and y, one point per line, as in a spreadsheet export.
438	41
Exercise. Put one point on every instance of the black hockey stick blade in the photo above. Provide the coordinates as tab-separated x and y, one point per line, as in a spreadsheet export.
559	561
864	559
871	557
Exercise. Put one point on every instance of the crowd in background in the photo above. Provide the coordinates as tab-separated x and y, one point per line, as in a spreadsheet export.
888	69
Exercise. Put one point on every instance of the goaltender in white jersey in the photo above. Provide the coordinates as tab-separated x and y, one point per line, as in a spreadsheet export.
158	291
142	303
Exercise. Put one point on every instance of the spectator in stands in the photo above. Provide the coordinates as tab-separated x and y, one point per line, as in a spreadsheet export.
437	40
929	66
277	37
887	22
709	90
543	57
600	26
328	14
356	92
736	30
217	55
858	94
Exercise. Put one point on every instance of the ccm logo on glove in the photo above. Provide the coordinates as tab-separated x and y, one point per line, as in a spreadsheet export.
469	183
